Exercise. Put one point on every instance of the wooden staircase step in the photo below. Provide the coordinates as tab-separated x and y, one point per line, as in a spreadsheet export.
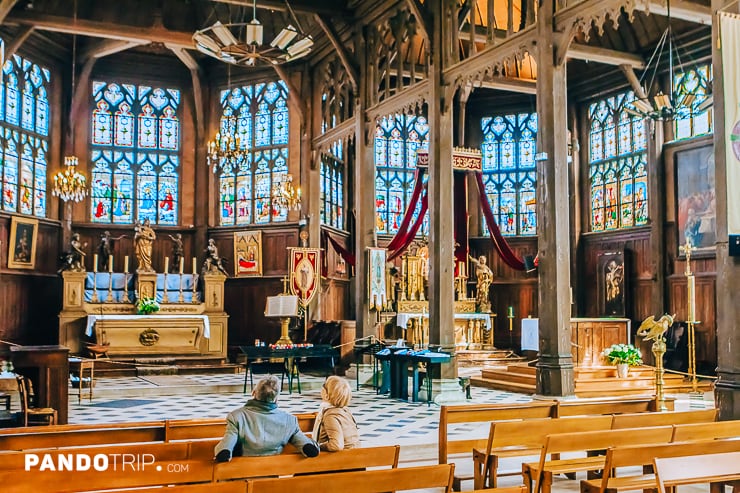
522	388
507	376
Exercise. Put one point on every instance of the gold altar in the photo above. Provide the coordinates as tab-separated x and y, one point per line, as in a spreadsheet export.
185	324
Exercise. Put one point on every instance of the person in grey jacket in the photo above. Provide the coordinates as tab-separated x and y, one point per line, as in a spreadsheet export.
260	428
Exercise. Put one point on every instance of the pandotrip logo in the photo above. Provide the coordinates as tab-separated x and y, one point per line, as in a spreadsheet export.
79	462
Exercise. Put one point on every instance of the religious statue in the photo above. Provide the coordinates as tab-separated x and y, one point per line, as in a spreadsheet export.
105	248
213	263
484	278
144	237
177	251
74	259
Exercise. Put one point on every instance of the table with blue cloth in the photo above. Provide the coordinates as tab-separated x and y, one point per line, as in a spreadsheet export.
290	357
400	359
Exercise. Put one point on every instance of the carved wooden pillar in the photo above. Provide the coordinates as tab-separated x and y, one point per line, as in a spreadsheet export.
442	249
364	192
555	365
727	389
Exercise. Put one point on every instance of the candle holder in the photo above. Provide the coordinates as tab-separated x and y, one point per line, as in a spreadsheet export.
109	298
510	316
195	288
94	298
180	297
165	299
125	298
691	321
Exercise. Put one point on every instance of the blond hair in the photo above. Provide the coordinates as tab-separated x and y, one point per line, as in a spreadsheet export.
337	391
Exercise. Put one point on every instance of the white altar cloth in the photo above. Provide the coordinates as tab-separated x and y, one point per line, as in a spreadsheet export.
91	319
403	318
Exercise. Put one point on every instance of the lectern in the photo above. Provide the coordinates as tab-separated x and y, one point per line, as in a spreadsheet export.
48	368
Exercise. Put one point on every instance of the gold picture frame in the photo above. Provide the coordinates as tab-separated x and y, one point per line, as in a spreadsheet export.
22	244
247	253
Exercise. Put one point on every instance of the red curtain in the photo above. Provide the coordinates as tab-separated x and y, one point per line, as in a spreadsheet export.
401	236
502	247
348	256
408	238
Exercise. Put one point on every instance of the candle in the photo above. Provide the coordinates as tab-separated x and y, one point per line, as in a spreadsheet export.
125	264
182	265
110	263
511	312
166	264
194	265
692	298
95	263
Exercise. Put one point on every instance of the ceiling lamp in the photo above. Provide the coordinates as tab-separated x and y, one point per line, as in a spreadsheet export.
285	195
243	43
70	184
662	106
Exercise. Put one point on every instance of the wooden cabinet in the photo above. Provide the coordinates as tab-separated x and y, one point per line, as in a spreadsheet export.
48	369
590	336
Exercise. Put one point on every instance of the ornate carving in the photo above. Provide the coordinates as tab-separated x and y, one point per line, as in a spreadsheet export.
337	97
148	337
595	13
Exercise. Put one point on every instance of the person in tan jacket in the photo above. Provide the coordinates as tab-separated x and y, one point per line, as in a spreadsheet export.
335	427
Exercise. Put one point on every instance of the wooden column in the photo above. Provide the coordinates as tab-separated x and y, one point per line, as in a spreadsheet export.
555	365
364	195
727	389
656	213
441	238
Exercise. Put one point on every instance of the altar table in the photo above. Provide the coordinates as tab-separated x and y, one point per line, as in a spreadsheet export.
289	357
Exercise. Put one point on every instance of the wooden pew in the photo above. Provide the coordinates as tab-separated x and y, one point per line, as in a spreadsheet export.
189	429
280	465
693	469
614	406
507	489
642	420
706	431
156	474
543	470
226	487
376	481
524	438
643	455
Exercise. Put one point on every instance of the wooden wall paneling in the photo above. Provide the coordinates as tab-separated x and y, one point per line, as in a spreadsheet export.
244	301
335	300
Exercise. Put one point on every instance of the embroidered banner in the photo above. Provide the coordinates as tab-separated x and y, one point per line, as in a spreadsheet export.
304	273
730	45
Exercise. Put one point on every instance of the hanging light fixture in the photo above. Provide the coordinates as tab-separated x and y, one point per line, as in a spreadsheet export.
662	106
70	184
224	152
242	43
285	195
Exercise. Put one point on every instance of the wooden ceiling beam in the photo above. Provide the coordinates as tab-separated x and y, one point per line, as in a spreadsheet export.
294	95
512	84
5	6
422	19
195	77
603	55
344	57
97	29
629	73
328	7
185	57
22	35
107	47
684	10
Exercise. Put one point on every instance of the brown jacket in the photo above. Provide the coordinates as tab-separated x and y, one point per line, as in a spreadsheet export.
337	430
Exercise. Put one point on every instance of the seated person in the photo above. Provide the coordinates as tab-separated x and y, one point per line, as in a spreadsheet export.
260	428
335	427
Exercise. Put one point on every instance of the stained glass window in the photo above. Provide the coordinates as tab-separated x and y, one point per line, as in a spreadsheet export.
510	172
258	114
24	136
618	165
332	186
396	141
690	120
134	154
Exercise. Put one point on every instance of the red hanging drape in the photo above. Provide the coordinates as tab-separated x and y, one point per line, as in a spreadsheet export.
408	238
402	233
502	247
348	256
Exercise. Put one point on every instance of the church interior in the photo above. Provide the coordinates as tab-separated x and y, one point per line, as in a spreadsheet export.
473	211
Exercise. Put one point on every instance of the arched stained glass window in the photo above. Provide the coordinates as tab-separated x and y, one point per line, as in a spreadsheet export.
618	165
258	114
24	136
134	154
510	172
396	141
690	121
332	186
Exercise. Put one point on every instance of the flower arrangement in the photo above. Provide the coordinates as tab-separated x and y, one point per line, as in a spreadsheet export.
146	306
623	354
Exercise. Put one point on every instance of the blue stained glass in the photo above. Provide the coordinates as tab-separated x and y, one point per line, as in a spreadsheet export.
262	187
226	198
158	99
42	112
244	199
12	102
27	113
262	126
167	211
124	126
10	171
147	128
123	191
102	133
332	187
101	187
280	123
113	94
169	131
146	188
279	172
244	127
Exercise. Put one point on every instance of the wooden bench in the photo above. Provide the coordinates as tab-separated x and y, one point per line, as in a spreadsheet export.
376	481
280	465
226	487
642	420
693	469
524	438
643	455
613	406
507	489
542	471
706	431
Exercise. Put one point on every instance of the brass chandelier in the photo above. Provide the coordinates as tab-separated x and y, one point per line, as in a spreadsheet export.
70	184
285	195
224	152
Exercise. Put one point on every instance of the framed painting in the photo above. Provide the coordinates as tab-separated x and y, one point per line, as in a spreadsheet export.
695	200
611	281
22	244
377	295
248	253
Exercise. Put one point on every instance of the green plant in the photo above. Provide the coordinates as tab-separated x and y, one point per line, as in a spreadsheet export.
623	353
146	306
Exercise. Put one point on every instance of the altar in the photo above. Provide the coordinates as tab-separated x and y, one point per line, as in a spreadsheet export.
472	330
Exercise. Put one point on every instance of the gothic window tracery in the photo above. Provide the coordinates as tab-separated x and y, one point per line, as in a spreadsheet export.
690	121
333	165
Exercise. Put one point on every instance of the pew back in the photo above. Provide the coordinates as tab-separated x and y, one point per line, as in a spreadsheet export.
693	469
642	420
706	431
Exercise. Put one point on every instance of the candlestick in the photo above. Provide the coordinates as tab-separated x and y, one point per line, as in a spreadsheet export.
182	265
511	312
195	267
110	263
95	263
166	265
125	264
691	288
